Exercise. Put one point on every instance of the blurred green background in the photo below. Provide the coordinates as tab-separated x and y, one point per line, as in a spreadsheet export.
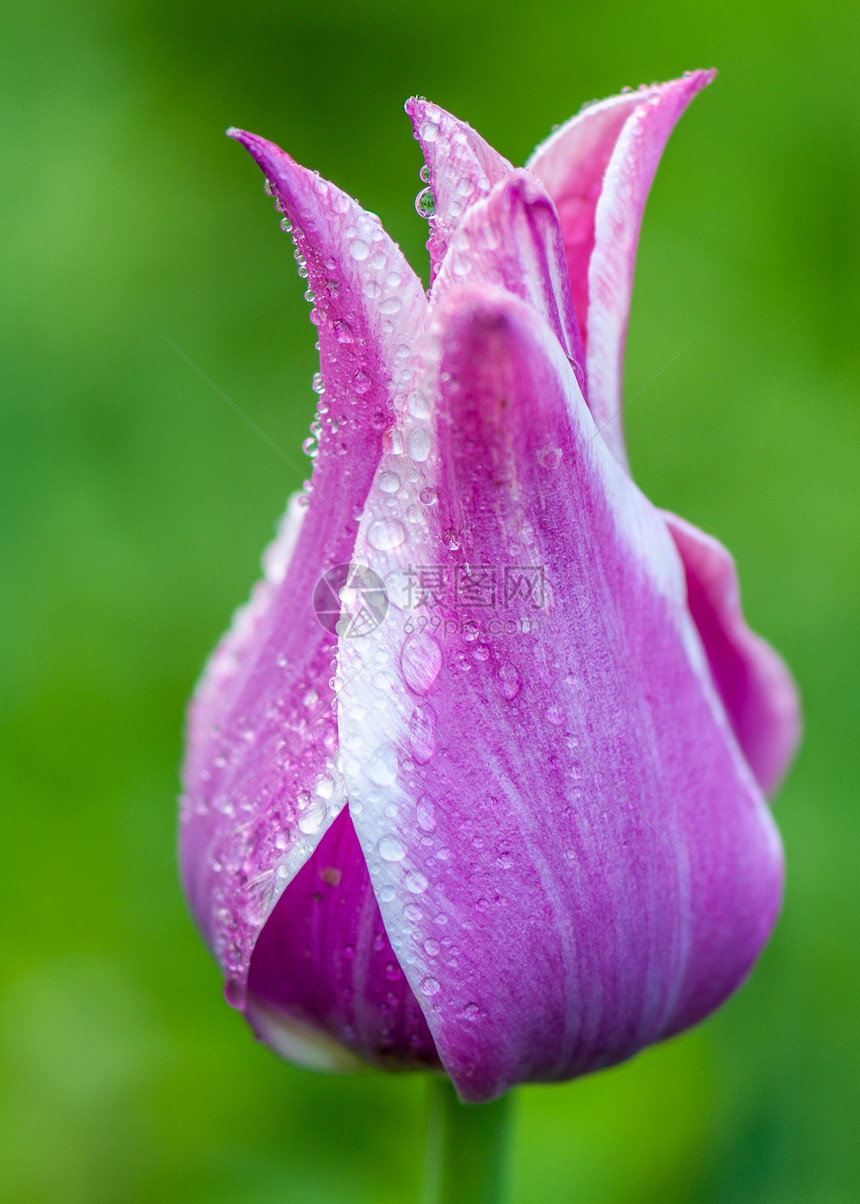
136	504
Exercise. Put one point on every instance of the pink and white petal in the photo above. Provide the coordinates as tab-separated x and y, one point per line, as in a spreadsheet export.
571	856
598	169
512	240
757	690
259	778
462	168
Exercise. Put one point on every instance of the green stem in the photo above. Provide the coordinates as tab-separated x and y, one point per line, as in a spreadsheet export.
466	1148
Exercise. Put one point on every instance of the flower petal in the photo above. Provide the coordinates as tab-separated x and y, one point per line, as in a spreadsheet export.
512	240
571	856
462	167
757	690
323	972
598	169
260	784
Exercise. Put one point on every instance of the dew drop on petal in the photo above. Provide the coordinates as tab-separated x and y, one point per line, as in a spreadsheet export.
419	444
383	765
429	987
386	533
389	482
310	821
510	681
359	249
426	815
420	662
425	203
391	848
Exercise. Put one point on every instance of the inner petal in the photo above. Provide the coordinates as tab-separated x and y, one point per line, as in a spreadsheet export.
324	959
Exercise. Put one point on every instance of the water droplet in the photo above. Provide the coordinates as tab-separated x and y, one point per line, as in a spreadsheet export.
383	765
422	734
504	861
389	482
451	539
343	331
430	987
310	821
428	496
391	305
428	131
386	533
420	662
424	173
359	249
425	203
431	947
233	992
361	382
471	631
416	883
419	444
286	225
392	441
386	894
391	848
510	681
325	787
550	458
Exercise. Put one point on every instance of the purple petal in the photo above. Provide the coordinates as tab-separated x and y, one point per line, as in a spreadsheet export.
571	855
598	169
462	168
323	976
261	787
512	240
756	688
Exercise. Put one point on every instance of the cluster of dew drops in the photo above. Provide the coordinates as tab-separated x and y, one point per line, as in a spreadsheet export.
425	205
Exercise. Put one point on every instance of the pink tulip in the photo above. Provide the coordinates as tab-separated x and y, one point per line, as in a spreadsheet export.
498	805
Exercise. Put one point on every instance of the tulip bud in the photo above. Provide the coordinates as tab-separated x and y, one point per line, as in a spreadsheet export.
475	782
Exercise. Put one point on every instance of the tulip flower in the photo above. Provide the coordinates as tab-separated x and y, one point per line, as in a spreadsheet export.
476	781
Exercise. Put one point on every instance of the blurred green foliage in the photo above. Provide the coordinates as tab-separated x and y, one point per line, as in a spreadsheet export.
136	503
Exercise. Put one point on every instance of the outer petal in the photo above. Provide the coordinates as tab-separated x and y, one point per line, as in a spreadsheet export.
598	169
260	787
462	168
571	856
756	688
